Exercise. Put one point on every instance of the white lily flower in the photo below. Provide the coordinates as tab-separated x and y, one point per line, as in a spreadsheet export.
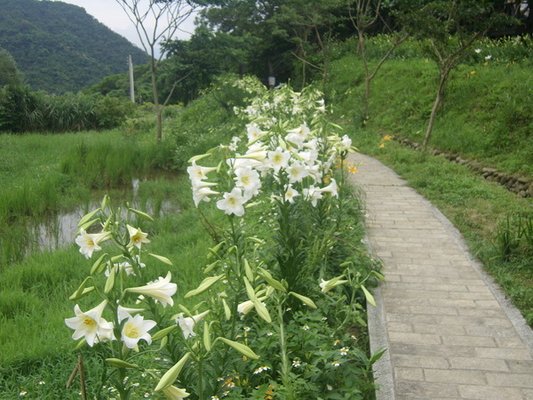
90	325
248	179
313	194
332	188
297	172
137	237
253	132
126	312
278	159
326	286
245	307
299	135
202	193
126	267
346	143
290	194
309	157
242	162
187	323
135	329
174	393
232	203
199	173
88	242
161	290
321	106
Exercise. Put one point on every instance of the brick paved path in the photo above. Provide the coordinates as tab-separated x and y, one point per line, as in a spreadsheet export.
449	331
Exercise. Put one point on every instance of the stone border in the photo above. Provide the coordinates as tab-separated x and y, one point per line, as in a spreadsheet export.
377	332
521	186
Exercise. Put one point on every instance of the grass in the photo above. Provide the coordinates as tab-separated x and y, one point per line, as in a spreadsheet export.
43	174
486	114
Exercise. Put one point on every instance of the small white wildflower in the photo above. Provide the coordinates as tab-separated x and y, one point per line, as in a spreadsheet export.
305	327
477	51
296	363
487	58
269	334
23	393
261	369
344	351
329	387
336	364
42	382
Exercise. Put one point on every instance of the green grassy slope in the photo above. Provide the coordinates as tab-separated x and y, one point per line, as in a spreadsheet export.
486	115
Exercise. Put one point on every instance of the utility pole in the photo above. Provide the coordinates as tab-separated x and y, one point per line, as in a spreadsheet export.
132	83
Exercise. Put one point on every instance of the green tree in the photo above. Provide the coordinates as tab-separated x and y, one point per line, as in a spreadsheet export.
9	73
364	15
154	21
448	29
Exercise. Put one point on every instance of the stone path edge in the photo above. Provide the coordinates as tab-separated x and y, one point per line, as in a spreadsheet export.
378	337
382	369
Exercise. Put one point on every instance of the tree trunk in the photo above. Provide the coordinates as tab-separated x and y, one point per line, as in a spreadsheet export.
445	71
158	107
362	52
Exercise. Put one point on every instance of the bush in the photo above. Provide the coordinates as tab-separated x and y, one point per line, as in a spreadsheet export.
22	110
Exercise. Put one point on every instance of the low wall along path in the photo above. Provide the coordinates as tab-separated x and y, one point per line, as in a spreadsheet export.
449	331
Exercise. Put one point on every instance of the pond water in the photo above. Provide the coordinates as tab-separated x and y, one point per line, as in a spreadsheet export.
61	229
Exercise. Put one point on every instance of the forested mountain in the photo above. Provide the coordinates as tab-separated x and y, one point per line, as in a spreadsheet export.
59	47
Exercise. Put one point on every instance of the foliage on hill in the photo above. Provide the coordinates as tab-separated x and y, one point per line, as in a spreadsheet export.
59	47
485	115
9	73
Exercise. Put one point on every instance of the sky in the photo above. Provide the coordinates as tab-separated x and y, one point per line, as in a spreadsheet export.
113	16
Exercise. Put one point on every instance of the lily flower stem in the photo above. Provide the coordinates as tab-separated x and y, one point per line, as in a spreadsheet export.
284	358
200	377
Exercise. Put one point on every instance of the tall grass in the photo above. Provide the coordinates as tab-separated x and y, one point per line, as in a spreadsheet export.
41	175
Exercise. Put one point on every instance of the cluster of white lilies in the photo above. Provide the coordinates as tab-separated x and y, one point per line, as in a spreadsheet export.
287	154
288	145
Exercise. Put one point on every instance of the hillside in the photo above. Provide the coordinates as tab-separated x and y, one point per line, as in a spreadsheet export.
59	47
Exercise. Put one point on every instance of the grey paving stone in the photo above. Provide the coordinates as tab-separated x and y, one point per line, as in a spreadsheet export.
449	331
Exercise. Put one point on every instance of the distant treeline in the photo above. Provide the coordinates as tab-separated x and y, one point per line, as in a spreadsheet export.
289	40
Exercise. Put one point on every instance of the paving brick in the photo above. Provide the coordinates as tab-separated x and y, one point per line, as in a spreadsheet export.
474	341
399	327
438	329
431	310
432	350
512	342
408	374
426	390
480	364
510	380
477	392
503	353
419	361
414	338
454	376
521	366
